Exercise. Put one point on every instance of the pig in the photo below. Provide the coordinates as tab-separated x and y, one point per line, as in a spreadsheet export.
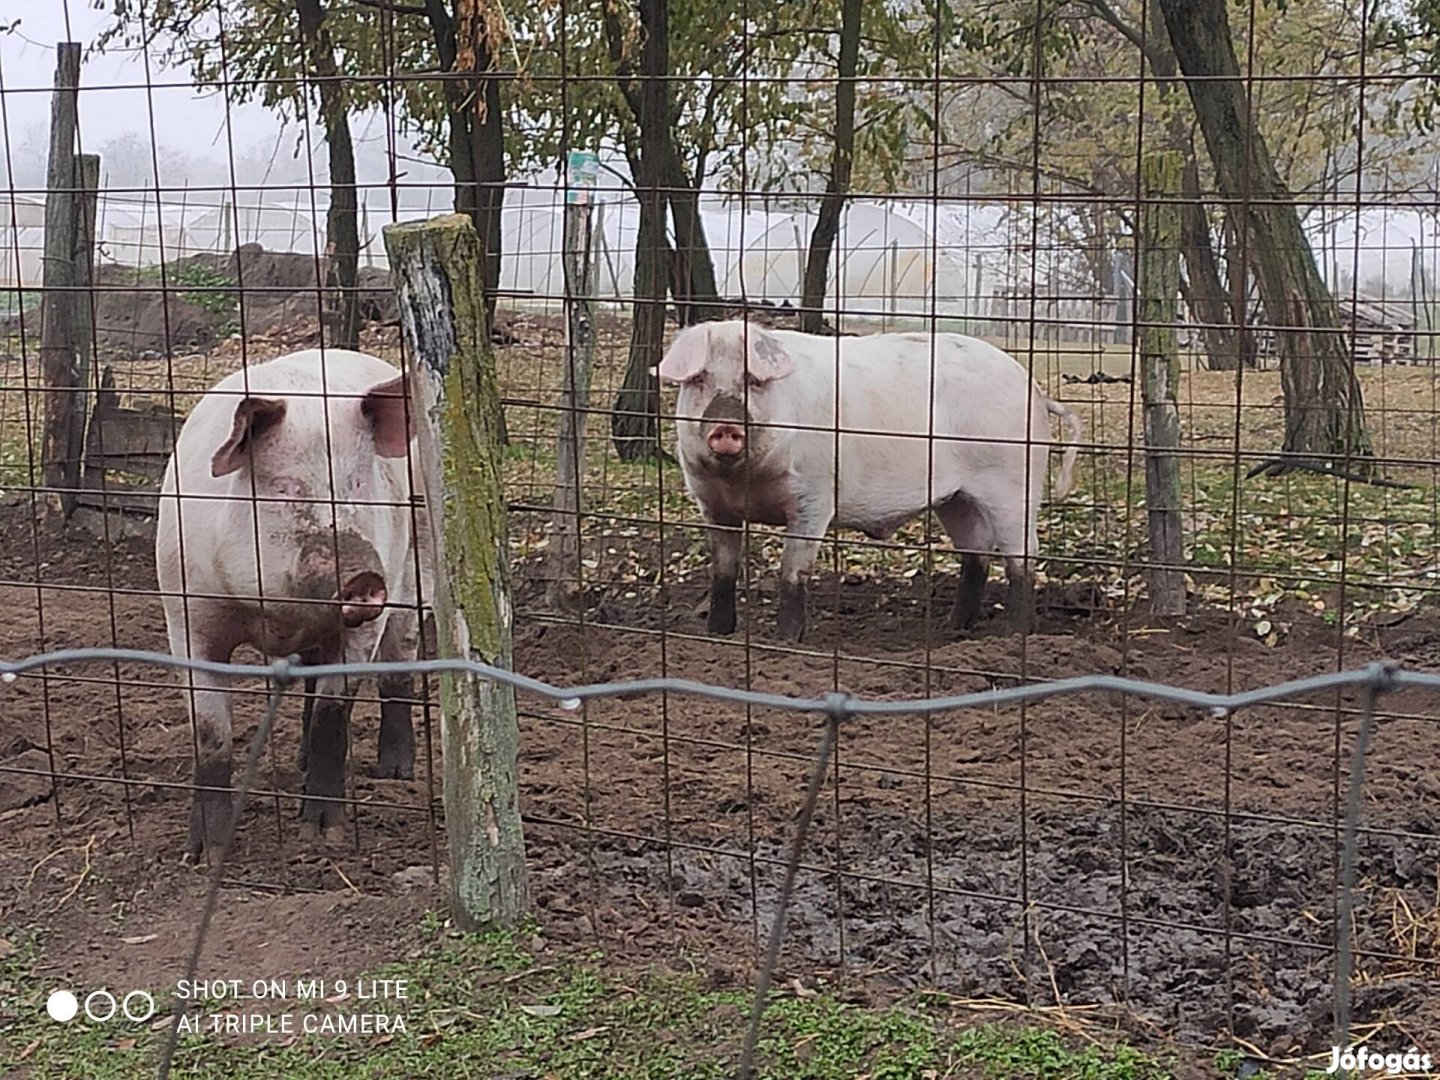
757	416
285	524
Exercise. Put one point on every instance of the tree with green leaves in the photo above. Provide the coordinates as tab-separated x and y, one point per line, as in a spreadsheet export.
832	205
1074	121
251	52
351	48
1089	105
1324	412
635	419
342	227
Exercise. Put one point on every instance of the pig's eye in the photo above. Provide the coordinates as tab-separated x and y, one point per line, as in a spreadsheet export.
697	380
751	380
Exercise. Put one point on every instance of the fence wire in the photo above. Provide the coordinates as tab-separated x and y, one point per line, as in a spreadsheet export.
1373	681
994	185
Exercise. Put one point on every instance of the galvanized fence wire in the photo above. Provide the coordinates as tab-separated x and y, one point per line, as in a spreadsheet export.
1373	681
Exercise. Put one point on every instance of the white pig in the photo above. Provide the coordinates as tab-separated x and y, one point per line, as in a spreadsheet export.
285	525
757	422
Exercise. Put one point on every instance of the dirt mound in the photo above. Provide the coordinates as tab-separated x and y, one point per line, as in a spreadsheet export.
202	299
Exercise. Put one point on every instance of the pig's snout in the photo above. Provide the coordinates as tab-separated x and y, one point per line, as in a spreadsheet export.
726	440
362	598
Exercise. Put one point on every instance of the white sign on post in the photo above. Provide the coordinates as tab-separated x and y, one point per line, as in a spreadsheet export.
581	170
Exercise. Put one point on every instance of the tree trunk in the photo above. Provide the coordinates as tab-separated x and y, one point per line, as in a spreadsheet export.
827	224
476	138
1205	295
487	138
1324	412
477	129
635	419
700	301
342	227
689	267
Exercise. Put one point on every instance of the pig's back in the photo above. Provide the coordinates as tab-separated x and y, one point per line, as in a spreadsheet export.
331	371
918	414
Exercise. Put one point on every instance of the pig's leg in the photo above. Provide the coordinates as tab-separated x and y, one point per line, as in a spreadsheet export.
210	712
802	543
306	713
967	531
329	739
725	543
396	755
1016	537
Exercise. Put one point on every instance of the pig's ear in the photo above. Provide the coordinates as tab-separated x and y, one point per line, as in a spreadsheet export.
392	423
767	359
254	416
688	356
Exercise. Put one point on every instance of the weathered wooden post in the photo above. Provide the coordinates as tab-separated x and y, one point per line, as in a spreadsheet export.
435	267
59	468
1159	376
564	568
82	322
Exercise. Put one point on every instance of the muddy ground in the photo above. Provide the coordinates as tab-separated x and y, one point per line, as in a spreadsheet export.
1073	850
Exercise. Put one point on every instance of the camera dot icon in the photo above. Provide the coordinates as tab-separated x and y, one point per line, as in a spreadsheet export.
62	1006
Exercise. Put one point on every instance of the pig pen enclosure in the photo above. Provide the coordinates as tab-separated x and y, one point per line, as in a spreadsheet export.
1108	862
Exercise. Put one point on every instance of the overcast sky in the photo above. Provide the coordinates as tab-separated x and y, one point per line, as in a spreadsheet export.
117	112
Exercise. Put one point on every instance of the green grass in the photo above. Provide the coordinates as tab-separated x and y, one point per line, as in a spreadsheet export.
211	290
486	1006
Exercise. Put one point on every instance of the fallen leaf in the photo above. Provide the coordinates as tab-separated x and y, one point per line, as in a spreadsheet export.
541	1010
588	1033
140	940
125	1044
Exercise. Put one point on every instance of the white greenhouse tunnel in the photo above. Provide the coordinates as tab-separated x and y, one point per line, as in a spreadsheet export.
891	258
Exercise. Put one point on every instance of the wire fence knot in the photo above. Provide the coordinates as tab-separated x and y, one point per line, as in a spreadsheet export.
1382	676
838	706
282	673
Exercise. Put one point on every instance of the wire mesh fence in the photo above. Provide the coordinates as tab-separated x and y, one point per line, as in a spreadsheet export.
992	179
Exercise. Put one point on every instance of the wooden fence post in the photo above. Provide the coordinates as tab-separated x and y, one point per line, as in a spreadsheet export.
82	322
1159	376
59	469
564	568
435	268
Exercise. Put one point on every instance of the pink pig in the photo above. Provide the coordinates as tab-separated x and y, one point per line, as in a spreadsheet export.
782	428
285	524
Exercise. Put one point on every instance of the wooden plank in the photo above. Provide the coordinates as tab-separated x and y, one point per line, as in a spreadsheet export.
120	500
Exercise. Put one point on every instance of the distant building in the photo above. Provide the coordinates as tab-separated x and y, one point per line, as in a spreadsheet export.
1378	331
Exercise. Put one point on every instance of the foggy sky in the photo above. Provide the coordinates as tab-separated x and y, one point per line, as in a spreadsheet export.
195	137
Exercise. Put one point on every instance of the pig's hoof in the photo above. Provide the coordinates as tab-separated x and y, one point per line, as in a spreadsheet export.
392	770
209	821
317	816
963	621
791	615
721	621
